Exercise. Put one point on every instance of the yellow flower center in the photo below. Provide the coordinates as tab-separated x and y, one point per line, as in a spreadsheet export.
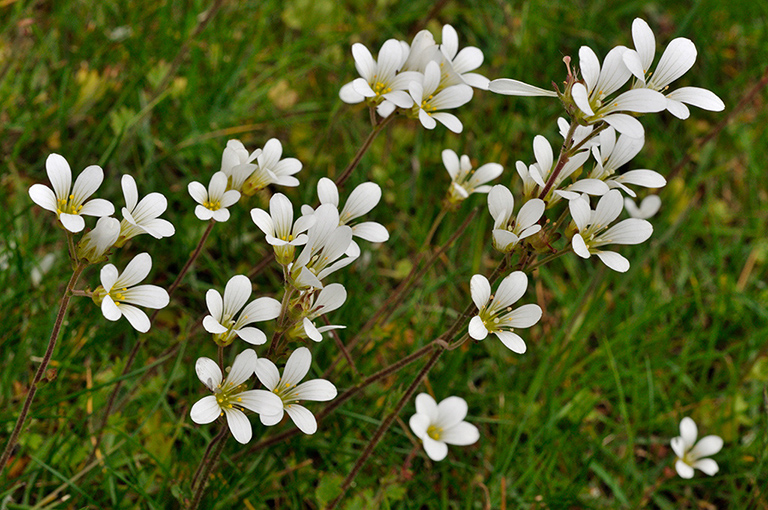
434	432
68	206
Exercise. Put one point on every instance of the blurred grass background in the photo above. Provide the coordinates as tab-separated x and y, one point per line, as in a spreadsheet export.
582	420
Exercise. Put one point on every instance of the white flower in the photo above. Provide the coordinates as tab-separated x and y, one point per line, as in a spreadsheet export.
213	202
282	233
67	201
677	59
648	207
464	61
222	323
427	102
230	396
118	292
380	81
539	172
464	180
691	454
141	217
509	230
361	201
330	298
510	87
237	163
592	227
271	169
592	96
93	246
290	391
438	425
495	315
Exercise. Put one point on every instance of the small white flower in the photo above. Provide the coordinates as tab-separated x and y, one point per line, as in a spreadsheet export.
330	298
67	201
289	391
464	61
495	315
282	233
118	292
648	207
539	172
438	425
677	59
95	244
213	202
361	201
141	217
222	323
612	154
237	163
464	180
271	169
691	454
592	227
230	397
509	230
427	102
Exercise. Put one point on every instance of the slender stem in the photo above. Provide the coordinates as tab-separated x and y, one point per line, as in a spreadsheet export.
71	246
385	426
281	320
263	263
549	258
140	342
342	348
433	228
206	466
363	149
221	358
82	293
561	160
63	306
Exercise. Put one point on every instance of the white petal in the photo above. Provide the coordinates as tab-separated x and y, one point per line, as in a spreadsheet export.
260	401
707	445
311	331
707	466
461	434
688	431
614	261
608	208
678	109
149	296
205	410
130	192
579	246
243	368
109	309
208	372
364	62
87	183
253	336
427	406
450	42
505	240
477	329
501	203
645	178
349	95
625	124
631	231
239	425
511	341
302	417
136	317
614	73
581	98
236	293
327	192
589	66
450	412
59	174
695	96
263	220
634	64
267	373
72	222
108	276
43	196
362	199
645	42
637	100
215	304
436	450
452	97
269	420
329	299
485	173
522	317
480	289
213	326
580	212
260	309
678	446
676	60
197	191
419	424
530	213
136	270
449	120
297	366
318	390
510	87
510	290
371	231
683	469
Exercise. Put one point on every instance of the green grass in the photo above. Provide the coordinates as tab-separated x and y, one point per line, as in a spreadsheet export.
582	420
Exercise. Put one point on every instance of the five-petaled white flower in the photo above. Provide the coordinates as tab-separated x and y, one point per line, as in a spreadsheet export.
118	292
277	224
495	315
509	230
464	180
290	391
141	217
231	396
592	227
438	425
213	202
271	169
222	323
427	101
691	454
95	244
67	201
677	59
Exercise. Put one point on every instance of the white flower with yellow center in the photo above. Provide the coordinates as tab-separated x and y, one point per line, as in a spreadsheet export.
509	230
593	231
495	313
118	292
438	425
141	217
691	454
465	180
271	169
67	201
231	396
428	102
277	224
222	322
290	392
213	202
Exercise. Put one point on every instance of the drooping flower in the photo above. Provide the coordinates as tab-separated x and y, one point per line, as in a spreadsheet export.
648	207
677	59
509	230
119	292
438	425
222	323
495	314
95	244
69	202
330	298
593	231
291	392
427	103
213	202
282	233
231	397
465	180
141	217
691	454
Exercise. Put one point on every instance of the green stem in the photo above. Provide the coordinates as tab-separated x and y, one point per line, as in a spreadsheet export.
206	466
63	306
363	149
